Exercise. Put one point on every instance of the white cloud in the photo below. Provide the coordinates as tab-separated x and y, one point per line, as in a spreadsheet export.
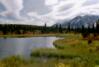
13	7
51	2
59	9
42	19
65	9
74	9
92	9
33	14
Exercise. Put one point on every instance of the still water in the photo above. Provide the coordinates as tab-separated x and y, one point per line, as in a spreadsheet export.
23	46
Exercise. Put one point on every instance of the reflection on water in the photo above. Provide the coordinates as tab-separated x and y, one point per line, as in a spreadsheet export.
23	46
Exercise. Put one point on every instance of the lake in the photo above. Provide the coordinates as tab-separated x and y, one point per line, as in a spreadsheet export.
24	46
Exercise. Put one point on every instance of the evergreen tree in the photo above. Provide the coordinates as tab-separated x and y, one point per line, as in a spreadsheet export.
84	32
60	28
56	30
44	28
69	29
89	29
83	29
97	26
93	29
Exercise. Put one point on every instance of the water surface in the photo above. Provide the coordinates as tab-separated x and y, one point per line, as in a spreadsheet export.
23	46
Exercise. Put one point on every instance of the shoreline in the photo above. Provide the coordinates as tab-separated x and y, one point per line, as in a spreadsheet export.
71	51
35	35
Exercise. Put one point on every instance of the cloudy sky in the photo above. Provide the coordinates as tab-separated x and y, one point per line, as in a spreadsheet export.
38	12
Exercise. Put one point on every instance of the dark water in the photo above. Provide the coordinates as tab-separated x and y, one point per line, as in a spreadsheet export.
23	46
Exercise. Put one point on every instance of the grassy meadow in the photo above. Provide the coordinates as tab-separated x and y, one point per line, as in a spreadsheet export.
74	49
71	51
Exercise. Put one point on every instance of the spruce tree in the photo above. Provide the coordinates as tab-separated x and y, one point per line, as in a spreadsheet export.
69	27
60	28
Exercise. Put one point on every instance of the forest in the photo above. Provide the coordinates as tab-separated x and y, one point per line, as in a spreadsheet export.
58	28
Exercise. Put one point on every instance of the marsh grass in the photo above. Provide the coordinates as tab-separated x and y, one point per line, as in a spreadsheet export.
72	51
33	35
74	48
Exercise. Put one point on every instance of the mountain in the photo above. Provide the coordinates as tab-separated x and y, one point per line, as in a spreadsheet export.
81	20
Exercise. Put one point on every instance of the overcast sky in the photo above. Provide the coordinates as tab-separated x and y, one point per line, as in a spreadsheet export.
38	12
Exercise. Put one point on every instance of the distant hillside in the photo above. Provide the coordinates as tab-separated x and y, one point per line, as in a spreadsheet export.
81	20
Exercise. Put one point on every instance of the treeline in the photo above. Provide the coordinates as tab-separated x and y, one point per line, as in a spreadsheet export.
32	29
86	30
28	29
17	29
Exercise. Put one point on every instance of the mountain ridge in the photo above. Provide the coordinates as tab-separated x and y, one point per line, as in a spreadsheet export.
80	20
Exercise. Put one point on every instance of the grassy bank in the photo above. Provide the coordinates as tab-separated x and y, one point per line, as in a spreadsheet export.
19	62
74	49
34	35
